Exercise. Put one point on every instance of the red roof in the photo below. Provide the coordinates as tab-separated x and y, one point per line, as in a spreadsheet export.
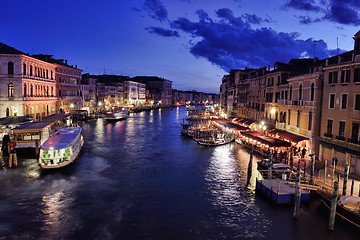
287	135
272	142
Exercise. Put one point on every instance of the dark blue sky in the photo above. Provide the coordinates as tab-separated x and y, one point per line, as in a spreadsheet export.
190	42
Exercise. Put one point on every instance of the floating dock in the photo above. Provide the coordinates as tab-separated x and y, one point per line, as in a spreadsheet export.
280	191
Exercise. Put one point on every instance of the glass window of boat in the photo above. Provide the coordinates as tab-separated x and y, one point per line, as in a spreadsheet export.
27	136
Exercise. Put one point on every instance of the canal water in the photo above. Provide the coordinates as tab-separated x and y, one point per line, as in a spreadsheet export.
140	179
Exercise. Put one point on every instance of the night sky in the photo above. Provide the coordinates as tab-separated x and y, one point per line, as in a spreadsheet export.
190	42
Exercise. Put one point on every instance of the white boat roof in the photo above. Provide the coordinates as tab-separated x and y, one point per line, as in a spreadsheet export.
33	126
63	138
280	165
349	199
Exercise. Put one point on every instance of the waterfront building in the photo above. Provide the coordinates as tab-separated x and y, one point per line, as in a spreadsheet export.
300	114
88	93
340	118
27	84
211	98
134	93
255	102
68	80
227	91
181	97
159	90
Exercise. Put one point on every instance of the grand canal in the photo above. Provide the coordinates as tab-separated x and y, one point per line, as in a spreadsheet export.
140	179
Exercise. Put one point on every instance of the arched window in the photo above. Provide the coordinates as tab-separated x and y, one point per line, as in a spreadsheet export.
290	94
300	92
52	91
47	74
11	90
7	112
24	69
25	90
10	68
31	70
31	90
312	92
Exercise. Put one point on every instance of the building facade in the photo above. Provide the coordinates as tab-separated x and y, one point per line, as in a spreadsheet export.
27	85
340	118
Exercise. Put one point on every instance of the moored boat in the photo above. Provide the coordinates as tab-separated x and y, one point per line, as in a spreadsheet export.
348	207
61	148
116	116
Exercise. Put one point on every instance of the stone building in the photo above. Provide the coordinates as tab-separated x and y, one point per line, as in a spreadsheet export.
27	85
68	80
159	90
340	118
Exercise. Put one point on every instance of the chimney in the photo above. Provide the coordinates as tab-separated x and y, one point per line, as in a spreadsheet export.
75	66
66	62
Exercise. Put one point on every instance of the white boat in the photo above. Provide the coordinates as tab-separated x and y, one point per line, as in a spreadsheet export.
116	116
61	148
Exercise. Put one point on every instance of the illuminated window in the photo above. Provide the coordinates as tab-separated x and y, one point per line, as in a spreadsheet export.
11	90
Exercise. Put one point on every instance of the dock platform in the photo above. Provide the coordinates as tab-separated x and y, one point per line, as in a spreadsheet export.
280	191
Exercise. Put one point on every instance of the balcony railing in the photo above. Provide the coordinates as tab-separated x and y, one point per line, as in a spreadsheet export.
341	138
329	135
297	102
354	141
283	102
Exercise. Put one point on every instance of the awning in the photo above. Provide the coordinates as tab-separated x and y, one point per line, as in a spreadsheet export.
244	121
231	125
272	142
287	135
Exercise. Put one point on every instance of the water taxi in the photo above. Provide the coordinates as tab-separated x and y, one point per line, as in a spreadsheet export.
61	148
116	116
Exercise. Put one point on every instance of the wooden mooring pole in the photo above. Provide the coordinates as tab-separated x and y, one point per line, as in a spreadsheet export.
346	176
333	206
297	194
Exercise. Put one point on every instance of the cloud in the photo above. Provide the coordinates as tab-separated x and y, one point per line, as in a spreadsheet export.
338	11
308	20
307	5
156	9
163	32
231	42
344	12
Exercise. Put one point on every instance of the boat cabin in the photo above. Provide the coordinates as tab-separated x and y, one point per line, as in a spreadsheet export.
28	134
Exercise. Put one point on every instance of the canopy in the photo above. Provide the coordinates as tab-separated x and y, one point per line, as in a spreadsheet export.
272	142
287	135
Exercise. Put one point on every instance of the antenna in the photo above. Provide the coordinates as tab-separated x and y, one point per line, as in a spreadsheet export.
337	46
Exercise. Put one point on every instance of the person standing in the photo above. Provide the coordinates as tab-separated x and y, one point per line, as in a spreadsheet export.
5	151
303	152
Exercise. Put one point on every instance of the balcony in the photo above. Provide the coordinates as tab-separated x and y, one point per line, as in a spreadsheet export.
329	135
354	141
297	102
341	138
283	102
310	103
